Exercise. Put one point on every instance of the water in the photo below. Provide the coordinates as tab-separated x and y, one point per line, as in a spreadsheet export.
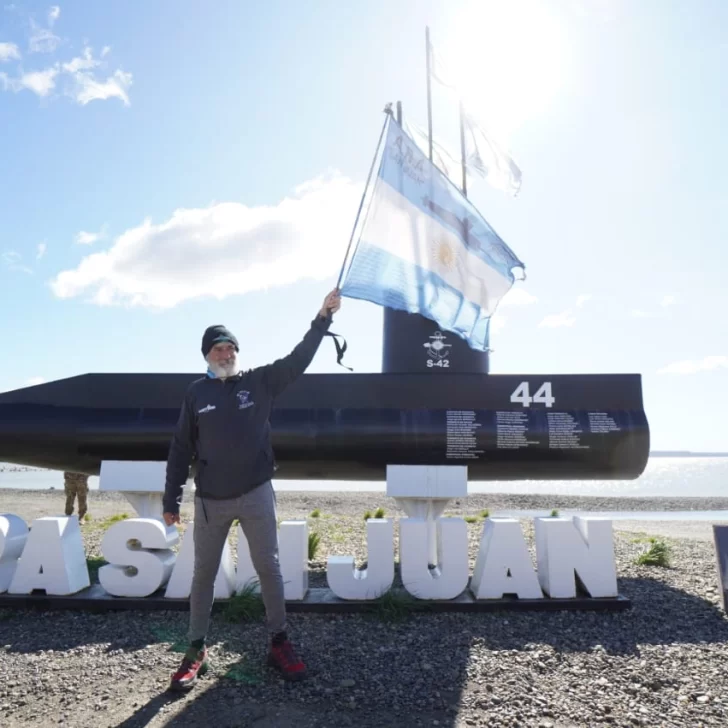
668	477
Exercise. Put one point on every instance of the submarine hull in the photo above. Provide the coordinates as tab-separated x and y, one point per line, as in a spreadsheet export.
350	427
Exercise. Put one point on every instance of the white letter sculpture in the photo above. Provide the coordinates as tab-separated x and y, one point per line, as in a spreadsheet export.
53	558
450	578
292	557
153	561
504	565
582	547
179	585
13	535
348	582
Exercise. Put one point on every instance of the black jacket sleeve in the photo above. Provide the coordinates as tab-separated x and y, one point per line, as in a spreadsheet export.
284	371
179	459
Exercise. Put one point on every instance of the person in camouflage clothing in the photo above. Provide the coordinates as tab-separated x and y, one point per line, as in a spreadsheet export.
76	484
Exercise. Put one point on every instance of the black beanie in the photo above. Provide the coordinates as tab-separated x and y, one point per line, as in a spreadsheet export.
215	334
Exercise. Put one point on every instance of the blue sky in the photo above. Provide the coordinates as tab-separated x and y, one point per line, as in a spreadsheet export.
157	158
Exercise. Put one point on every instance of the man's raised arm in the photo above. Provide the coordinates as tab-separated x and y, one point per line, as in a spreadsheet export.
284	371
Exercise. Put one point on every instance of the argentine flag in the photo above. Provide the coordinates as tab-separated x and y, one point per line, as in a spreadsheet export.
424	248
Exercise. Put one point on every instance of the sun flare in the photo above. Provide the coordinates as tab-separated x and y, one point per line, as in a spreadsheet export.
507	58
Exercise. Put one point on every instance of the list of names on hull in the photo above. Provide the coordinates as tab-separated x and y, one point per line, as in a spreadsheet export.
461	429
511	428
600	423
564	431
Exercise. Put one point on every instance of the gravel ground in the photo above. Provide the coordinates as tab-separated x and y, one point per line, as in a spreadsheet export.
661	663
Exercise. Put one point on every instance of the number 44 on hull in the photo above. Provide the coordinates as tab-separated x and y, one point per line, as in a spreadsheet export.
521	395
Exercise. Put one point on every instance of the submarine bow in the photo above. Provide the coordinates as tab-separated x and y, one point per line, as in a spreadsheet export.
350	427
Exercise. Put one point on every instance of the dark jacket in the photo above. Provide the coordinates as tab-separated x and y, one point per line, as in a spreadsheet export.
224	426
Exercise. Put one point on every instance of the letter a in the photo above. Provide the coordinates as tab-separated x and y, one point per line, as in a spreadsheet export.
53	558
504	565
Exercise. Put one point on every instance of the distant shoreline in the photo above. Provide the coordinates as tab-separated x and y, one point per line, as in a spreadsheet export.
686	454
12	468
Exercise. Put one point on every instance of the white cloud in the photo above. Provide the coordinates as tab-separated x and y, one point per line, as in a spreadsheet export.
39	82
34	381
42	40
82	79
9	52
556	320
42	247
14	261
221	250
517	297
581	300
86	238
667	301
87	88
81	63
693	366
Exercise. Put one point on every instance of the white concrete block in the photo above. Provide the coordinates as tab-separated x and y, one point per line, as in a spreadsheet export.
427	481
152	561
53	559
13	537
503	565
348	582
570	547
450	579
143	476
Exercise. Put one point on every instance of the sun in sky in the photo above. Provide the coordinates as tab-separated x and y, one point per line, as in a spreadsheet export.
506	58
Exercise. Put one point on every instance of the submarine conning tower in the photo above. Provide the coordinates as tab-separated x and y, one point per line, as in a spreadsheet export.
414	344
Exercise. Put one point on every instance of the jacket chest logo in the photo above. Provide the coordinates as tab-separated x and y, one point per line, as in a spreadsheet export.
244	400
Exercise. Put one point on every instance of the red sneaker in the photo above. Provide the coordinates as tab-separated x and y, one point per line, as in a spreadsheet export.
284	659
193	664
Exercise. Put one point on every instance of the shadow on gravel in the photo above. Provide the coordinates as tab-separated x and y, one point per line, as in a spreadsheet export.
660	615
21	631
221	706
146	713
367	671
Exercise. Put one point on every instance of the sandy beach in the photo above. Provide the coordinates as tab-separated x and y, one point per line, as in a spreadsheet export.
659	663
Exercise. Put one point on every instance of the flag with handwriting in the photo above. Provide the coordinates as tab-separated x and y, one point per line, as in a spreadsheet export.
424	248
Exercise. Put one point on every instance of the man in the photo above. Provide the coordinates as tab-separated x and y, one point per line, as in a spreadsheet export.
76	484
224	425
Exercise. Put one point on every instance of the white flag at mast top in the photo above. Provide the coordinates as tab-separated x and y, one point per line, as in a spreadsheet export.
482	154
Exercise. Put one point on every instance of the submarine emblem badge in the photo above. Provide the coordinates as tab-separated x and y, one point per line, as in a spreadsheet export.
437	351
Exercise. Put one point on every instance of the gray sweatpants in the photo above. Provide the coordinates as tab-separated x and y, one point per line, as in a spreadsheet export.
256	512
